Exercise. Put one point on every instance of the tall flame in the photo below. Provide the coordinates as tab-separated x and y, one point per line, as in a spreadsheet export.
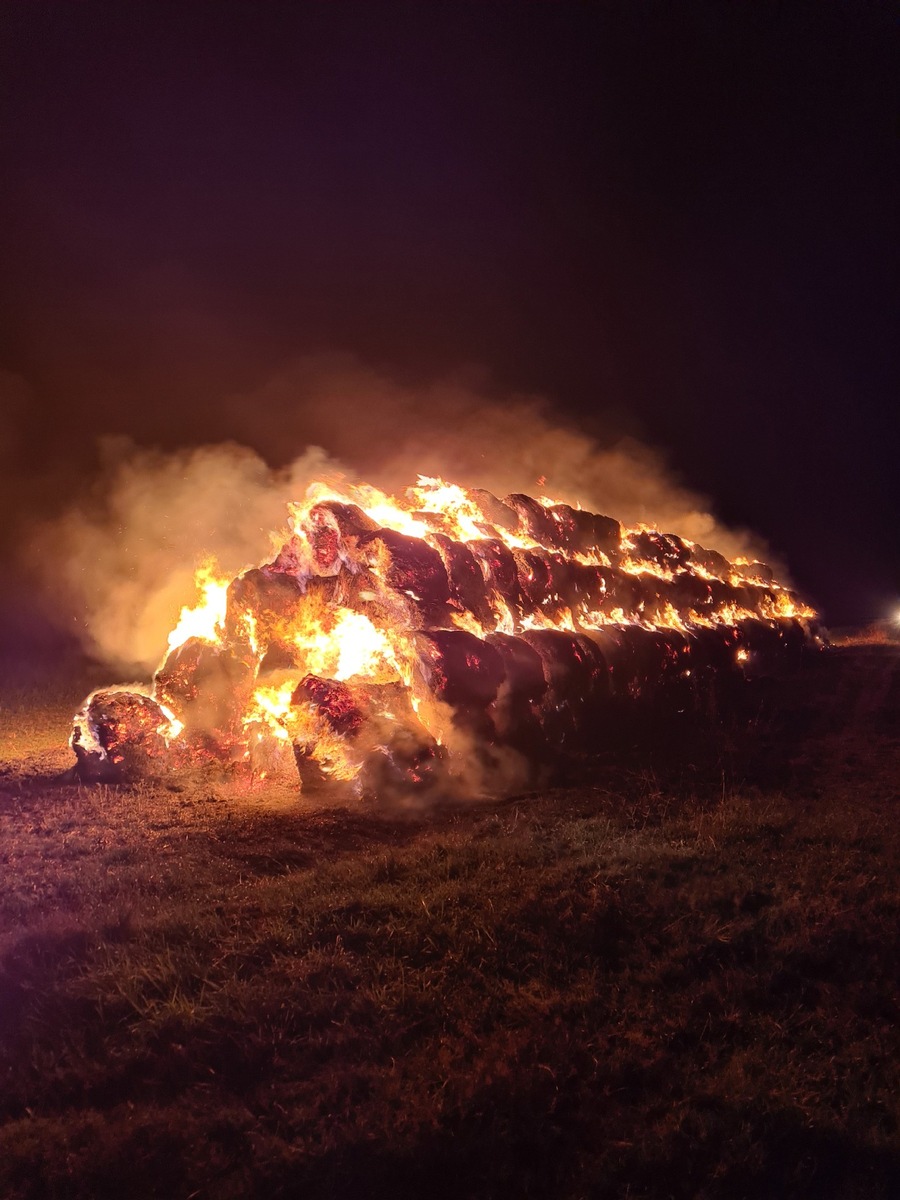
206	618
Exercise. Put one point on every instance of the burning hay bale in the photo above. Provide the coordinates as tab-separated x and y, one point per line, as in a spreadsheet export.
209	686
121	736
389	639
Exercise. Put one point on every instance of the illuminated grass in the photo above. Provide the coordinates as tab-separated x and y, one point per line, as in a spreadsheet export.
675	979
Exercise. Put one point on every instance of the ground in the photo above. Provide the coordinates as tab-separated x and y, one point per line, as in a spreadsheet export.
675	973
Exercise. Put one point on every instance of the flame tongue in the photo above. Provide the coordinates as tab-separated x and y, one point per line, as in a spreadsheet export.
386	627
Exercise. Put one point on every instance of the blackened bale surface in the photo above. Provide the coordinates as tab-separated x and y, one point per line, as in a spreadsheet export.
459	668
495	512
624	592
581	532
618	654
692	593
647	661
515	712
717	674
499	569
576	677
588	587
468	591
522	665
665	550
408	565
711	561
765	646
754	572
544	581
406	764
534	520
208	688
656	596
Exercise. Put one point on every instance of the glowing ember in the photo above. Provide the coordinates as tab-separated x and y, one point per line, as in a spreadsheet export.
390	634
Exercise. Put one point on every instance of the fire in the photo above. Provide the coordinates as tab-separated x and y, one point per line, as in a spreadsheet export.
348	645
206	619
389	630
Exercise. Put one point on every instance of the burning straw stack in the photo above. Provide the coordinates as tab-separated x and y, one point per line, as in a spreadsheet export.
391	639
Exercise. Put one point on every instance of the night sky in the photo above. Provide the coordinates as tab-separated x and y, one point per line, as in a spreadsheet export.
674	221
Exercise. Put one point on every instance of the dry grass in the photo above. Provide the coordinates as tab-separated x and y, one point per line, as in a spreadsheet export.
677	976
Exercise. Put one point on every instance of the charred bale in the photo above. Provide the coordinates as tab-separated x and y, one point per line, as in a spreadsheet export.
692	593
647	662
468	591
458	668
587	533
522	667
577	680
534	520
560	584
334	701
533	573
499	569
718	678
618	655
625	593
121	737
515	710
725	596
587	588
594	662
333	530
408	565
406	767
544	581
666	551
795	641
208	688
677	695
272	599
661	688
711	561
658	598
495	512
607	537
747	597
770	646
754	572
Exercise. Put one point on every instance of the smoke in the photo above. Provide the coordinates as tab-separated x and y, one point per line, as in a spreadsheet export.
121	559
462	429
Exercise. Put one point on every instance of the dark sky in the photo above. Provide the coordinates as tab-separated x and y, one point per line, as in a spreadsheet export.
676	221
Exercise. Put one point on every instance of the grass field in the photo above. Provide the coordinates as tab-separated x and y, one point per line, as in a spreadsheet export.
676	976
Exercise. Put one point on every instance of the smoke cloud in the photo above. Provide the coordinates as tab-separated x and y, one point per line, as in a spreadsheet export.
121	559
462	429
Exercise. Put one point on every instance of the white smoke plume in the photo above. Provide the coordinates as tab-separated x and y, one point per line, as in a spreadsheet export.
122	558
461	429
125	555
